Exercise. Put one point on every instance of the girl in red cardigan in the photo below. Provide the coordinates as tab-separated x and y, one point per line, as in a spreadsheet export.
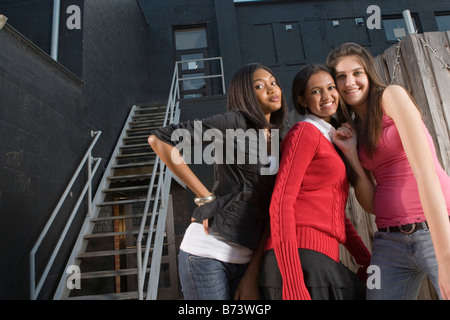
307	211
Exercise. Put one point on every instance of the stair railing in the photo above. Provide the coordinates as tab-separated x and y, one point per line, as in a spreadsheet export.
211	76
161	196
87	189
162	191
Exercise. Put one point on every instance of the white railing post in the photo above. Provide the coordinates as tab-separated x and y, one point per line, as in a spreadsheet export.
90	162
223	75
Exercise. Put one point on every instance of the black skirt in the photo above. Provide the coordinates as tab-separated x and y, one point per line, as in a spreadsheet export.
324	278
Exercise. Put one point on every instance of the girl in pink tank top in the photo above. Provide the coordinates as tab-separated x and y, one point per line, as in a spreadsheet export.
397	200
400	179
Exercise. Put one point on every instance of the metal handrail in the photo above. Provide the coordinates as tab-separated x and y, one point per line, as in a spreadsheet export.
161	197
35	290
220	75
171	116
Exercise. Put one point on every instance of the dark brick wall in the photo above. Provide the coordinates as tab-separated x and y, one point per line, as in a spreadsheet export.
162	17
116	65
31	18
70	51
42	138
34	19
46	115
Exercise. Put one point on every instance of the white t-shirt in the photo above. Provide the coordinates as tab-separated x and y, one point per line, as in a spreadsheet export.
213	246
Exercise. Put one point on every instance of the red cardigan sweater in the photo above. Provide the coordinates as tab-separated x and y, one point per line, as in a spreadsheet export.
308	207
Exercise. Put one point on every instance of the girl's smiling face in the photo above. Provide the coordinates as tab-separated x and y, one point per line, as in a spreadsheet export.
321	95
352	81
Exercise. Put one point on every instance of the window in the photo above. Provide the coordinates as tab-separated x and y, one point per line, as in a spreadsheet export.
443	21
395	27
190	39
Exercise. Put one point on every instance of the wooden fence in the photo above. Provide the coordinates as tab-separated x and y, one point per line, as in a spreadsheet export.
419	63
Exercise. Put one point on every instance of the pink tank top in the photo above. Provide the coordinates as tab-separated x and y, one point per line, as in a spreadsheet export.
396	195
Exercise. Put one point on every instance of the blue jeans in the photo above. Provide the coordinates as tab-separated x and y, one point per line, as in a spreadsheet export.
208	279
403	262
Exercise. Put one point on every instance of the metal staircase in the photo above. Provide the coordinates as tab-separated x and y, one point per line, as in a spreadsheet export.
124	245
106	250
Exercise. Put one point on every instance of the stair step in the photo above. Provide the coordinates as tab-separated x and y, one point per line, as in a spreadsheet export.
95	254
153	106
136	155
144	121
135	164
145	125
118	217
109	273
116	273
132	295
141	176
135	138
136	134
137	152
150	116
160	108
107	253
113	234
131	138
119	202
150	111
134	160
148	120
137	145
132	188
143	128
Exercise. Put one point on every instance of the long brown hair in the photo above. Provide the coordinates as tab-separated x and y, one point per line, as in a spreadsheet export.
242	97
368	134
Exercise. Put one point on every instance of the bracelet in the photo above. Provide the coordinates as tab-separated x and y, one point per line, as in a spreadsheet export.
200	201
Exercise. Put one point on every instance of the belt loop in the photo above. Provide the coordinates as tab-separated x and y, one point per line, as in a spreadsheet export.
425	225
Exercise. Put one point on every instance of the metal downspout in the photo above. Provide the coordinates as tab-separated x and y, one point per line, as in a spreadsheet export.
408	21
55	29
